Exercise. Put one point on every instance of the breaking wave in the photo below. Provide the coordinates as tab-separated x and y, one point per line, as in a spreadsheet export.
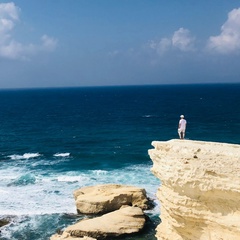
24	156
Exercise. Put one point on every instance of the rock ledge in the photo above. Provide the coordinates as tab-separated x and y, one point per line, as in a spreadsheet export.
200	189
109	197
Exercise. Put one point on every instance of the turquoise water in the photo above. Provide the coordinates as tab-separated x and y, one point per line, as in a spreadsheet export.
54	141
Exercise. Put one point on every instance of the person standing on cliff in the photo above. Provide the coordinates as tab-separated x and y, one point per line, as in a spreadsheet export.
182	127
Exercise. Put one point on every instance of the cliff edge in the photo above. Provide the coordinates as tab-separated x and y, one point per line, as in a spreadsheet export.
200	189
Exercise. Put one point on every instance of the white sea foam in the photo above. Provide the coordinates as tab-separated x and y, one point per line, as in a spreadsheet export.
79	179
100	172
3	191
61	155
24	156
37	199
50	192
148	116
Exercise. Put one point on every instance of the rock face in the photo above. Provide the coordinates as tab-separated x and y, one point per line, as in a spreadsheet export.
200	191
110	197
123	204
66	236
126	220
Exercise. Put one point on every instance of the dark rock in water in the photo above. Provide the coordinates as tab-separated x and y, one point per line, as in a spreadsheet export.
4	221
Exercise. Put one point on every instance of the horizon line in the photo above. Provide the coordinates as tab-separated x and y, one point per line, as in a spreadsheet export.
118	86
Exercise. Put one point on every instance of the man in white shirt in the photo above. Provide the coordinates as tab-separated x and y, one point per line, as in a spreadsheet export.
182	127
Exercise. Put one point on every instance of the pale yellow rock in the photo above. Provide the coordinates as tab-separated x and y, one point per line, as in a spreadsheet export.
126	220
109	197
66	236
200	189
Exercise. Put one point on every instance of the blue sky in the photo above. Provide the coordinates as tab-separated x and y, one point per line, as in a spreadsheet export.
58	43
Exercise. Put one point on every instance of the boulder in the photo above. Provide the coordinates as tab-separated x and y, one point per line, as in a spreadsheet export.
109	197
66	236
4	221
126	220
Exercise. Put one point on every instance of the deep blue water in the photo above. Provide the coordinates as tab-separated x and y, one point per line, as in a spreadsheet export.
53	141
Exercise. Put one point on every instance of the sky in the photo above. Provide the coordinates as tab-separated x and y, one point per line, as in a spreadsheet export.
74	43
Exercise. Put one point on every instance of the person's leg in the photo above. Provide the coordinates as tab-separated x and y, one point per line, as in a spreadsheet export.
183	134
179	133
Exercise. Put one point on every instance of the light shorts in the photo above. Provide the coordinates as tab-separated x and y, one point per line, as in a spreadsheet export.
181	130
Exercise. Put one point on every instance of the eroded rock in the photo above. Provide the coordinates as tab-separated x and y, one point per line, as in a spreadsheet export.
126	220
109	197
200	199
66	236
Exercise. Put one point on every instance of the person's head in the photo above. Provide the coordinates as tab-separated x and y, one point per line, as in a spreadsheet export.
182	116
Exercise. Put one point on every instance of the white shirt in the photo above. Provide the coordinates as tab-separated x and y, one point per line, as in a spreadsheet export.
182	124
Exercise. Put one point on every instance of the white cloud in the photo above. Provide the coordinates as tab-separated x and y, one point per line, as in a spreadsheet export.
48	43
9	10
162	46
229	39
114	53
180	40
183	40
11	50
9	47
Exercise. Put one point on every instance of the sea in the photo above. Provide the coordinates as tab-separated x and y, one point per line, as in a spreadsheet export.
54	141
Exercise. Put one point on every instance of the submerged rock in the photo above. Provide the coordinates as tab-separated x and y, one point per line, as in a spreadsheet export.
4	221
200	189
109	197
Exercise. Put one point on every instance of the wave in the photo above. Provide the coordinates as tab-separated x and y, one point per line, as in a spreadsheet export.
50	192
24	156
72	179
39	227
24	180
100	172
61	155
149	116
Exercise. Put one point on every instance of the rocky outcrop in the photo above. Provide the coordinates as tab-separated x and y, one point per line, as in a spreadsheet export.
122	204
66	236
126	220
109	197
200	189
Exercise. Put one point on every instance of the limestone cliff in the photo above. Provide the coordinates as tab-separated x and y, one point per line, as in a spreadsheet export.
200	189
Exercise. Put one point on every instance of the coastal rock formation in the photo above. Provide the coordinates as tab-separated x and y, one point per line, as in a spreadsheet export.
126	220
66	236
125	204
109	197
200	189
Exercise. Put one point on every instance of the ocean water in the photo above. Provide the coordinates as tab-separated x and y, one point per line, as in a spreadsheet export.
53	141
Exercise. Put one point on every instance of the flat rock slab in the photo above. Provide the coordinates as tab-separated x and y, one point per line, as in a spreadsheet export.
66	236
109	197
126	220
